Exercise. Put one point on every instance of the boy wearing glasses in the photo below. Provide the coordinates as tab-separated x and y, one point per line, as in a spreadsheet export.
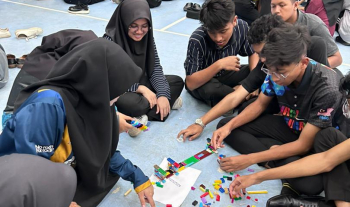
212	66
332	160
309	100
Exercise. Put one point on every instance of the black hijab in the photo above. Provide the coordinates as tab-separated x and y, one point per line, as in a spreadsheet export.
87	78
142	52
41	60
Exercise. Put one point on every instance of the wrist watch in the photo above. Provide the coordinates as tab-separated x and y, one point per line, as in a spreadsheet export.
200	123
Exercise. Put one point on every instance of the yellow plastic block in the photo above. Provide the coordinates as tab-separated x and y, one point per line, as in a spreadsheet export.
211	195
217	187
181	168
218	181
202	189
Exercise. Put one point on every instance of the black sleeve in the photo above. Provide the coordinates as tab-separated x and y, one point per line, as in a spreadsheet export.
255	79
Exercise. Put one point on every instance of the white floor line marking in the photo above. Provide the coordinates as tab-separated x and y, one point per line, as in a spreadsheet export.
172	24
102	19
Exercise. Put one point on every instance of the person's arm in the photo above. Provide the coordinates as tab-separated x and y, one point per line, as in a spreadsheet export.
250	113
230	102
199	78
298	147
126	170
335	60
307	166
157	79
321	30
196	75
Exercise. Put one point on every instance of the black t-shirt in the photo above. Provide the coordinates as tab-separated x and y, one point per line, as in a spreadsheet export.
255	78
316	100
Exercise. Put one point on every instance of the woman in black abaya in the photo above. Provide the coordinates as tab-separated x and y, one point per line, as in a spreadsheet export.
67	118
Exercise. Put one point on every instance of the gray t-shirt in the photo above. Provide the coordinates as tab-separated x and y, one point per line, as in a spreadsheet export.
317	27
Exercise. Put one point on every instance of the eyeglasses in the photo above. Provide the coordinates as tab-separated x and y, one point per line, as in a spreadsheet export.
346	110
278	75
135	28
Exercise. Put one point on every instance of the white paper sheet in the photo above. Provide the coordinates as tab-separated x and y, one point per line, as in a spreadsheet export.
176	188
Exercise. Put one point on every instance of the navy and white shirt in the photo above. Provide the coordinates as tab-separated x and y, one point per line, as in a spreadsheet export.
316	100
157	79
203	52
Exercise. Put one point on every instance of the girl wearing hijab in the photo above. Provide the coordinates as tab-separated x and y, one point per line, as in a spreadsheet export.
152	97
67	118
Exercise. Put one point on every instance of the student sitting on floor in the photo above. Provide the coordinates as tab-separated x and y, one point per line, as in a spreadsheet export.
256	36
288	10
309	100
152	98
67	118
332	162
212	67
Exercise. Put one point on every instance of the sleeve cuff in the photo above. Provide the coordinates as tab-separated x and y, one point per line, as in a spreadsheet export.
143	186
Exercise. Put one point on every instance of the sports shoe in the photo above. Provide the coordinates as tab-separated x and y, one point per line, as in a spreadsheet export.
79	9
28	33
5	33
177	104
133	132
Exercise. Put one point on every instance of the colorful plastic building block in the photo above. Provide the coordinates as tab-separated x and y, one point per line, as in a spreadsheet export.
194	203
217	197
204	194
204	200
210	194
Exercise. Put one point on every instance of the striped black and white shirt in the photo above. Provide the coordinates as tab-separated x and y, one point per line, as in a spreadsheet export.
157	79
202	50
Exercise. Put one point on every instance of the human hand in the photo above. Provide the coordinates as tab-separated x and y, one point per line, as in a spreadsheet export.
219	135
192	132
239	185
148	94
230	63
74	204
146	196
252	95
235	163
124	126
163	106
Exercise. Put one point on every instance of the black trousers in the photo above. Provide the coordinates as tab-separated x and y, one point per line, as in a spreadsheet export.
134	104
264	132
336	183
216	89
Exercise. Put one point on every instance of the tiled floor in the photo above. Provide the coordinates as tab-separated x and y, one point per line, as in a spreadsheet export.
172	31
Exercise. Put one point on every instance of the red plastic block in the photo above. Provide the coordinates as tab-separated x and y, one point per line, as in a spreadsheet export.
217	197
204	194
